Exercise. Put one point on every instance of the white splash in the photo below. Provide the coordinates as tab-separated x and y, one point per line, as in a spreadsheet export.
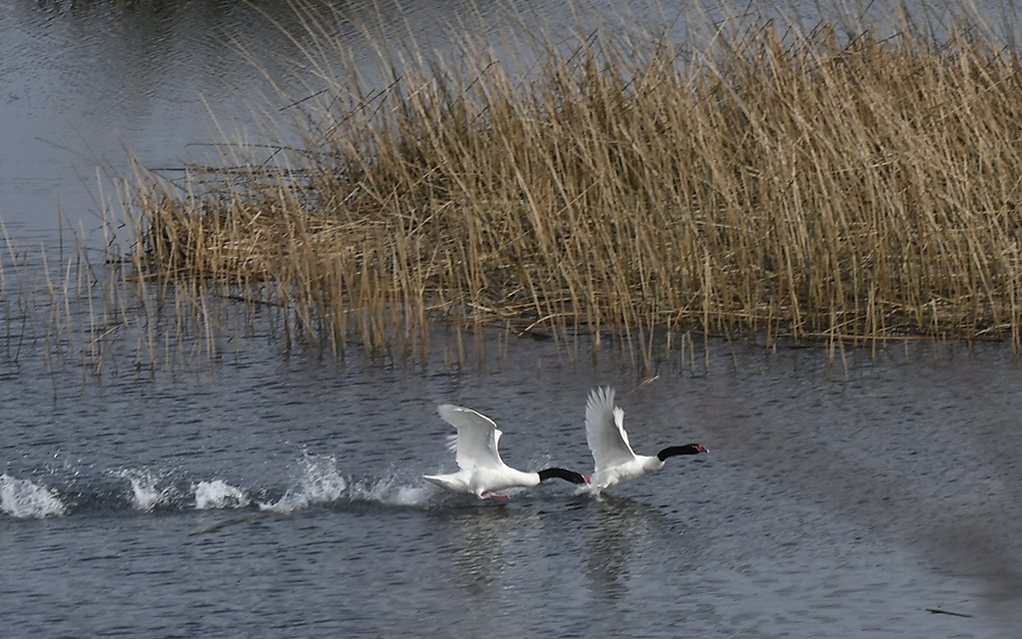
217	494
145	490
22	499
412	495
321	483
388	492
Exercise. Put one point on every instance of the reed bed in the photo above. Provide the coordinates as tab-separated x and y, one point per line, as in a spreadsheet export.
770	182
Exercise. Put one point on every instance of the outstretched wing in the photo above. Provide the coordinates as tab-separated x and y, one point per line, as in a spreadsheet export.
605	430
477	439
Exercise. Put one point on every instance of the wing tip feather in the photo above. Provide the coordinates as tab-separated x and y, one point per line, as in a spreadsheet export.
600	399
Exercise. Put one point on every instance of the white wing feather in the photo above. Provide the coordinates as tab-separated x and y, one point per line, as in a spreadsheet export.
477	440
605	430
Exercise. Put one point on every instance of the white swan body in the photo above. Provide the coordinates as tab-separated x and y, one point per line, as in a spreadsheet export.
483	473
616	462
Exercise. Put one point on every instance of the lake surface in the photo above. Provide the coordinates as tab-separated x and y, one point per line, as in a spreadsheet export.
282	496
279	493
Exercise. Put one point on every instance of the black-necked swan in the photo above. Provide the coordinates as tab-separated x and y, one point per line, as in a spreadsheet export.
616	462
483	473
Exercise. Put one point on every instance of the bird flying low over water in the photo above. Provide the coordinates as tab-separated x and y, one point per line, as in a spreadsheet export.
616	462
483	473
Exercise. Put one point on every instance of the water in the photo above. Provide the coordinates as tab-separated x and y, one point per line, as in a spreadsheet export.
275	493
82	85
283	496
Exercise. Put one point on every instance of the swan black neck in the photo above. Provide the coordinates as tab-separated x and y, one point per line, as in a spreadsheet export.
560	473
688	449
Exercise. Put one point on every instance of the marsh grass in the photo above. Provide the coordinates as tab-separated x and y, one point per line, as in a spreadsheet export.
97	310
765	181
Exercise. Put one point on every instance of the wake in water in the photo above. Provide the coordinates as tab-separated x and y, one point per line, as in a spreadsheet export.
23	499
146	492
319	481
218	495
322	483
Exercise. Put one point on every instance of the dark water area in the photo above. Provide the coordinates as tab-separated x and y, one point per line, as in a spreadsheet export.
279	493
274	495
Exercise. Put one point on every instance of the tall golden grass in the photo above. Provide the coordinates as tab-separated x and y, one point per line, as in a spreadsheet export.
769	182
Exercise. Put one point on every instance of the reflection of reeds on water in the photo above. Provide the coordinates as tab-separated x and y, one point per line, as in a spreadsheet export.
767	181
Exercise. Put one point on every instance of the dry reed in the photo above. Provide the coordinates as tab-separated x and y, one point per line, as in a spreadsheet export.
100	315
771	182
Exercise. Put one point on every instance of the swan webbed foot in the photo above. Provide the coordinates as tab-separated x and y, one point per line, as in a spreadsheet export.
495	497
